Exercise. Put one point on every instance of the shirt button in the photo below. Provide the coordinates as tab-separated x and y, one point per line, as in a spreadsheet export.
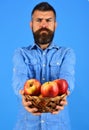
58	63
43	65
43	53
43	78
42	121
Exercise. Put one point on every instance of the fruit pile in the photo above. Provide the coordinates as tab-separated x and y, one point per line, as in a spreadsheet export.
45	97
53	88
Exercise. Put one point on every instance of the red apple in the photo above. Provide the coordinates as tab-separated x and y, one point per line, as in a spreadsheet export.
32	87
62	85
49	89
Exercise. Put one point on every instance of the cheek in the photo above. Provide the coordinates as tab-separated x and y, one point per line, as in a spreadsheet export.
51	27
35	28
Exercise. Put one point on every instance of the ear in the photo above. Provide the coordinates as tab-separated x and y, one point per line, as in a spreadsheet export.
55	24
30	24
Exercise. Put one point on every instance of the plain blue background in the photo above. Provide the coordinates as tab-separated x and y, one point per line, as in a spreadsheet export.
72	31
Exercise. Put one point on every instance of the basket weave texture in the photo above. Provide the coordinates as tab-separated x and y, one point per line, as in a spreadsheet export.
44	104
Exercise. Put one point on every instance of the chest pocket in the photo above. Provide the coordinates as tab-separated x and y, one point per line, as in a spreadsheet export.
54	69
32	66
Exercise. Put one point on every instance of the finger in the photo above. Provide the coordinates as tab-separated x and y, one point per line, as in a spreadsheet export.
63	102
37	114
34	111
21	92
68	92
60	107
55	112
31	110
63	99
25	103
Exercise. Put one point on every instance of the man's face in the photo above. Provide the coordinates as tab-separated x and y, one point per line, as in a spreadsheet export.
43	26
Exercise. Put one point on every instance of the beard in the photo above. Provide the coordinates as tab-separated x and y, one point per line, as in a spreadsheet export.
43	36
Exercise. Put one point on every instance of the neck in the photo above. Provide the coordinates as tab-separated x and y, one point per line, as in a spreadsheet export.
44	46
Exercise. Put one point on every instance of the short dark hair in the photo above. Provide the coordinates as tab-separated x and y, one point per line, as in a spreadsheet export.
43	6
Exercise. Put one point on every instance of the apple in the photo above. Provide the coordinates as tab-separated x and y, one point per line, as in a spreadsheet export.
49	89
32	87
62	85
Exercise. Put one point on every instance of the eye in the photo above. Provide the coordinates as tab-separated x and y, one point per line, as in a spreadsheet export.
49	20
38	20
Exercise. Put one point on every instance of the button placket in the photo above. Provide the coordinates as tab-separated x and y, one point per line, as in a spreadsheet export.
43	66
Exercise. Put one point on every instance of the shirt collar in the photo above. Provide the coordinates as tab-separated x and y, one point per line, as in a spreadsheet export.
52	45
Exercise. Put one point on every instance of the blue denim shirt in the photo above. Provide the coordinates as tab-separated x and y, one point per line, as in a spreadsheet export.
45	65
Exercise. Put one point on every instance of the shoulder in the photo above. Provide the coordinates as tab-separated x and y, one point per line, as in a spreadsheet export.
65	50
66	53
21	50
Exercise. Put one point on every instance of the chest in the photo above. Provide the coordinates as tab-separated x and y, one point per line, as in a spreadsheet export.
45	65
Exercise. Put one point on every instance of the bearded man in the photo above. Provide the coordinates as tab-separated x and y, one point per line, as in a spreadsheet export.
44	61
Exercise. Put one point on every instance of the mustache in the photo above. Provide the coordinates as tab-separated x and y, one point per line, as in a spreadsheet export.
43	29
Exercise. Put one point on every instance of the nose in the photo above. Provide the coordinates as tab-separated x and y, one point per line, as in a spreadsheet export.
44	24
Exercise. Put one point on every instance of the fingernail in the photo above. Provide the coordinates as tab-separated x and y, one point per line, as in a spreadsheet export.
35	109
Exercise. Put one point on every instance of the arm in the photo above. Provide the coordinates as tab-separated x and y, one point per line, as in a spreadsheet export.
67	72
20	75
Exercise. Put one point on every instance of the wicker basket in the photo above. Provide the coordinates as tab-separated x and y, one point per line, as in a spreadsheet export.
44	104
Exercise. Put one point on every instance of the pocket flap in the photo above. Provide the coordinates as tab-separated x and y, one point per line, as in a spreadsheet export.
31	61
55	63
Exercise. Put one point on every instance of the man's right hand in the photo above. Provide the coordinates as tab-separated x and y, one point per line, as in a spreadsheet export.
27	105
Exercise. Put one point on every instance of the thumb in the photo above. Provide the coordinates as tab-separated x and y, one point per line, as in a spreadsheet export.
68	92
21	92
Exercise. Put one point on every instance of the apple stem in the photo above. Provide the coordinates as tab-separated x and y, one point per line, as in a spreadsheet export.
30	85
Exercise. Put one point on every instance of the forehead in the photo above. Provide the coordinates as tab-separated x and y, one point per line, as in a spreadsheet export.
43	14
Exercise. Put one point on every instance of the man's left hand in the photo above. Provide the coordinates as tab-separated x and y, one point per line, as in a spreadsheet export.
62	104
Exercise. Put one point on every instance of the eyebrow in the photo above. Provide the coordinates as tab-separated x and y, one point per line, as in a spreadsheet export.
43	18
